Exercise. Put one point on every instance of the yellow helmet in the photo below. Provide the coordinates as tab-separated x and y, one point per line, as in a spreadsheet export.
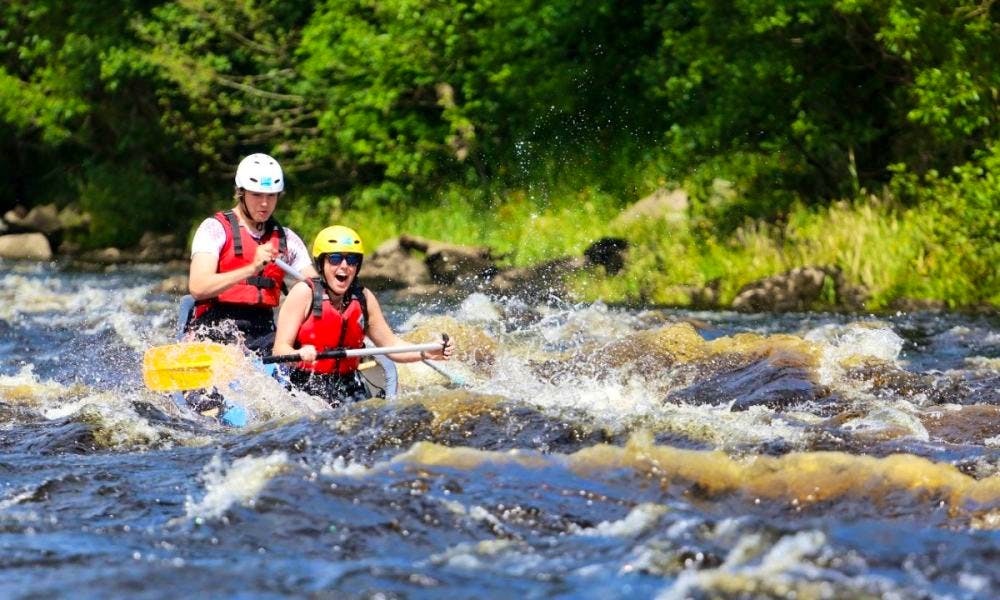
337	239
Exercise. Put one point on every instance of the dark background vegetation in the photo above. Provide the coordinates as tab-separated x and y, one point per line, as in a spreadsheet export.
137	111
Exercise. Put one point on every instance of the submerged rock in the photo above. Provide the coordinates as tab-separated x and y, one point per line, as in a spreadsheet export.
977	424
759	383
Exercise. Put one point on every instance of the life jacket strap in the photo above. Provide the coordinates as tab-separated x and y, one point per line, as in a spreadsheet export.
234	232
259	281
317	300
271	226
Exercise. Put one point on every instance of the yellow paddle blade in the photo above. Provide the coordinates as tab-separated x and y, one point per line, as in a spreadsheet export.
190	366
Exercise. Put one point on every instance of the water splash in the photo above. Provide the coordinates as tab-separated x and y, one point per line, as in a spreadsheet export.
239	483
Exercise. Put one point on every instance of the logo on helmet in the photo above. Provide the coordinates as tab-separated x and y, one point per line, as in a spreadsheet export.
265	182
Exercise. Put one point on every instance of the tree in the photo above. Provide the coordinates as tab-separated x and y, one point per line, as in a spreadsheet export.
820	98
79	111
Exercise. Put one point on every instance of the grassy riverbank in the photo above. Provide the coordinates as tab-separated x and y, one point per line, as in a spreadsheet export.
928	240
895	253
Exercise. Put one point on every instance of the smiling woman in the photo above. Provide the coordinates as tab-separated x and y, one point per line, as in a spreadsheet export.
335	311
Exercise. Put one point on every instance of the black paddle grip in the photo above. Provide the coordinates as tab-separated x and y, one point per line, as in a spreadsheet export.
281	358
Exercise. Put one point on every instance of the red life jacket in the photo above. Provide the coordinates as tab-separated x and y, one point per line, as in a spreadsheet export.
261	290
326	329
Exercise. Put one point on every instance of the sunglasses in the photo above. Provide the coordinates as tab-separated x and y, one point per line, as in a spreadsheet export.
352	258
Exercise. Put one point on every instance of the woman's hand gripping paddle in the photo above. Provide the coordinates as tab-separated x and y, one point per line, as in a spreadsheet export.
454	379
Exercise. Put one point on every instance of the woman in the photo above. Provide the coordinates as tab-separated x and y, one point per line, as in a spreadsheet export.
233	278
335	311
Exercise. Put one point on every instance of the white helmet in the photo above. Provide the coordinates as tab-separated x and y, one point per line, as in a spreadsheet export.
260	173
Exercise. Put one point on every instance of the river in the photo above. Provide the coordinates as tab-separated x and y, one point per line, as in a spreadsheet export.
591	452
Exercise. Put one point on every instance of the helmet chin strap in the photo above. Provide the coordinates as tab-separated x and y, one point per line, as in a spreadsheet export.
257	225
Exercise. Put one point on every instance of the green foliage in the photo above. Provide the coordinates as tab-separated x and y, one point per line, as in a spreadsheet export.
227	81
517	229
426	94
118	200
40	87
944	249
527	125
960	216
76	102
819	98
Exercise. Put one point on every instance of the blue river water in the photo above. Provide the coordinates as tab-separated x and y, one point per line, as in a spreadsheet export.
591	452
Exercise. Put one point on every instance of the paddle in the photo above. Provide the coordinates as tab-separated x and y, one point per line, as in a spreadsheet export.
351	352
455	379
195	365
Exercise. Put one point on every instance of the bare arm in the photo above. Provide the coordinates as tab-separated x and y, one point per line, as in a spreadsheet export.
298	255
293	313
380	333
204	282
309	272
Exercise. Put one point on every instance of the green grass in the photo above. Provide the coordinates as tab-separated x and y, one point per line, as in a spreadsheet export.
893	252
520	229
940	248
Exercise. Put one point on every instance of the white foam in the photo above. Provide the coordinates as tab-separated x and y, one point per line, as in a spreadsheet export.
619	404
610	402
239	483
265	398
885	418
478	513
26	295
790	552
478	308
843	342
26	495
115	416
977	584
78	305
340	466
25	388
465	556
982	363
638	520
748	560
595	322
681	527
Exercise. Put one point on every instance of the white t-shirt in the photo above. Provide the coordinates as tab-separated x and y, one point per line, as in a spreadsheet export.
211	237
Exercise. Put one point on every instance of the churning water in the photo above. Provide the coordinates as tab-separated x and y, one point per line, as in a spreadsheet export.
591	453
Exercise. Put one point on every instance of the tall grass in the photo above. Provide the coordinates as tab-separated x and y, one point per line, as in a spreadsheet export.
520	229
929	250
893	252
